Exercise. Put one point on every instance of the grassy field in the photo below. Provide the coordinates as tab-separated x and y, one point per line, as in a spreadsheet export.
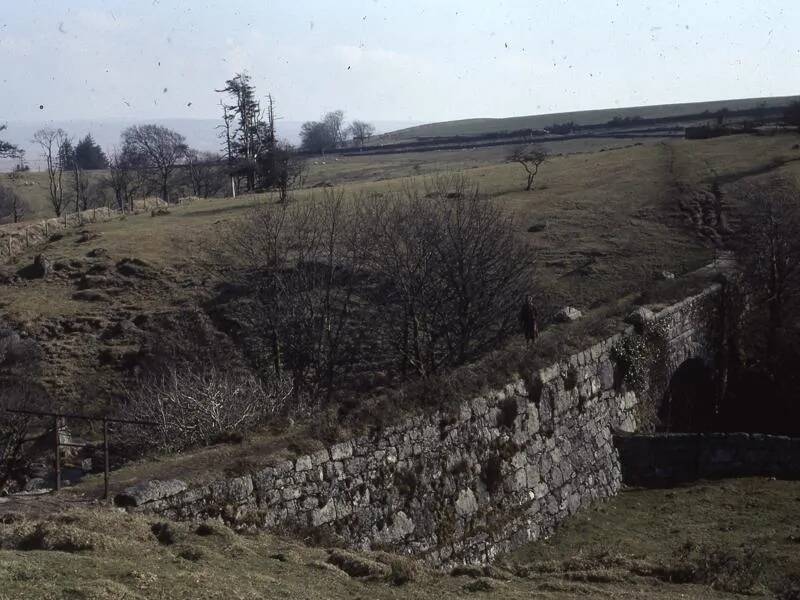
587	117
725	539
33	188
602	223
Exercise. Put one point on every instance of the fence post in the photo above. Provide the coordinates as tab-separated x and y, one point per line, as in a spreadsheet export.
58	453
105	457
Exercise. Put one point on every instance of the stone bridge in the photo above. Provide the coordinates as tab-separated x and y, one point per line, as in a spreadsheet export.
464	483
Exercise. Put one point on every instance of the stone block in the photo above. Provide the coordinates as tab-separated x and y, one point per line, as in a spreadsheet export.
342	451
303	463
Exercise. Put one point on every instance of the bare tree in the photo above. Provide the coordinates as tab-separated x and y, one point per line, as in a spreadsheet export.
122	180
322	136
421	281
51	141
454	272
290	170
157	149
206	171
194	408
361	131
768	245
531	158
20	359
306	261
69	160
11	205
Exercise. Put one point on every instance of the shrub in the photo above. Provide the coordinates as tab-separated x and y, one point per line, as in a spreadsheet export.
191	408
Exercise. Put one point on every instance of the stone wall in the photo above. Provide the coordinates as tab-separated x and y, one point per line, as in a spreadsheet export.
671	458
16	238
457	485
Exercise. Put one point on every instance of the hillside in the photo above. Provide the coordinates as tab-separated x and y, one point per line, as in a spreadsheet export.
726	539
587	117
602	224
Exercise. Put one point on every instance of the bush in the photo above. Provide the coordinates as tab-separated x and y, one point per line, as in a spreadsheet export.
191	408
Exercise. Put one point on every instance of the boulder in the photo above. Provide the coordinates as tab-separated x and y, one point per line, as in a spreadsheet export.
357	566
42	266
149	491
665	275
568	314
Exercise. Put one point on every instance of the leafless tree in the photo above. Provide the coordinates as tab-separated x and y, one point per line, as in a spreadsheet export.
157	149
454	272
418	281
334	122
768	245
80	184
307	259
11	205
531	158
361	131
51	141
194	408
206	173
122	179
291	170
20	359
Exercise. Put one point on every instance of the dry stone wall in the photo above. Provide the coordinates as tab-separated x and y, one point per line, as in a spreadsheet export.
18	237
458	485
671	458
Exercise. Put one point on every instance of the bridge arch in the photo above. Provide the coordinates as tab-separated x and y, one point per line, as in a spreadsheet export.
689	401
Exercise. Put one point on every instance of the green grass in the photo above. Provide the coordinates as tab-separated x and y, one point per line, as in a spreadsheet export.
587	117
628	547
601	224
33	188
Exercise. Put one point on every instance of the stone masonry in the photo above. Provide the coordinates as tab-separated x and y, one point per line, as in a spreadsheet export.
464	484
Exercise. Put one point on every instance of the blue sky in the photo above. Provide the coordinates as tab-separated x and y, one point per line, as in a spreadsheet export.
375	59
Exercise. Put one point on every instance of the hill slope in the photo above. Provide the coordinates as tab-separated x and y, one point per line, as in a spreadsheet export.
585	117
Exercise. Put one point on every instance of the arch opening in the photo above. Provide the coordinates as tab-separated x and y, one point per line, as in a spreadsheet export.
689	403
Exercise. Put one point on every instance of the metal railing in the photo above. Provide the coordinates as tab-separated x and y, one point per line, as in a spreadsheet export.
59	444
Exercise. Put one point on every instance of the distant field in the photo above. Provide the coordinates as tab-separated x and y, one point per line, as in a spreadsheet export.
587	117
33	188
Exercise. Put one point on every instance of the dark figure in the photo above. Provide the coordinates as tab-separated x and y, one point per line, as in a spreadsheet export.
527	319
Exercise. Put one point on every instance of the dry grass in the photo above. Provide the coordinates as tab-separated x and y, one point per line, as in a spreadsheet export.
628	547
602	223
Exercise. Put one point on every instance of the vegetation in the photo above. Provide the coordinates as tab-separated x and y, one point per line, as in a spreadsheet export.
531	158
6	148
711	540
12	206
199	408
52	142
434	279
154	150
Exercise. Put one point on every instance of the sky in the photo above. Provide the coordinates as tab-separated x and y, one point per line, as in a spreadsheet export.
414	60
